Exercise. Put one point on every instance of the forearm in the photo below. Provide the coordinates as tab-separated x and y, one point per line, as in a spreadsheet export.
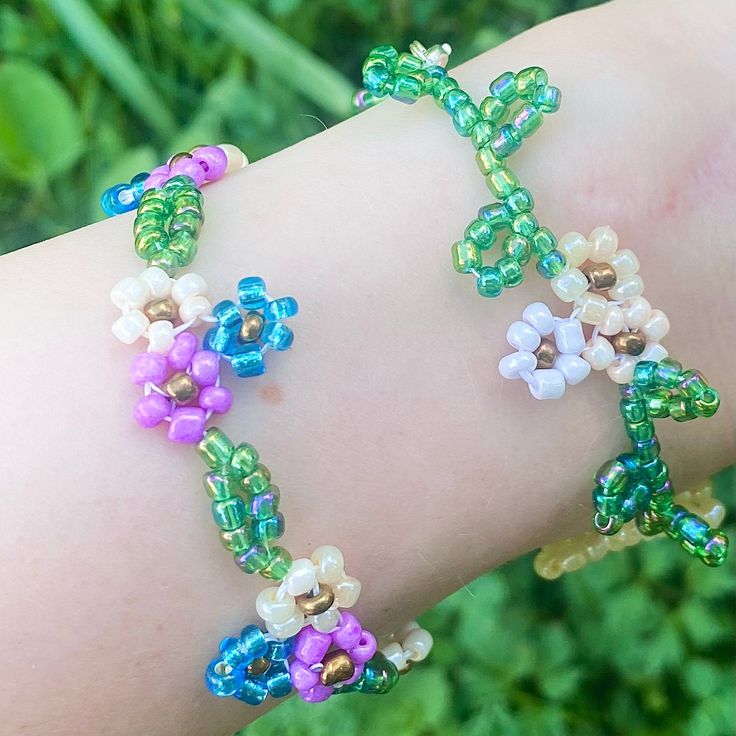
387	426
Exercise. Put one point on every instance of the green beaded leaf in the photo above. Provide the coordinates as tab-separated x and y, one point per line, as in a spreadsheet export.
40	128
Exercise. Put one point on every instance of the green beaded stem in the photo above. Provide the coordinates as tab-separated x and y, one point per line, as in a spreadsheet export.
168	223
637	485
513	111
245	505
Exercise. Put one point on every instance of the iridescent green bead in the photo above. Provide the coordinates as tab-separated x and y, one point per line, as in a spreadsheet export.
379	676
608	525
406	88
229	513
668	372
278	565
167	261
465	119
547	98
612	476
191	222
681	409
633	411
502	182
481	135
188	202
150	240
496	215
647	450
503	88
377	79
184	245
520	200
493	110
215	448
706	405
146	220
426	80
544	242
408	63
481	233
258	481
455	99
525	224
527	121
441	89
506	141
254	559
265	504
645	374
487	160
237	540
510	270
551	265
244	459
639	431
385	52
155	202
518	248
267	530
489	282
220	486
178	183
466	256
608	505
528	80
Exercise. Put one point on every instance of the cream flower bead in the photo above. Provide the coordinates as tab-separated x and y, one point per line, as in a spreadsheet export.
613	321
394	652
657	326
592	308
575	248
272	607
636	312
347	592
326	622
301	578
413	645
236	159
625	263
329	564
160	336
604	242
290	627
130	327
599	353
568	286
622	370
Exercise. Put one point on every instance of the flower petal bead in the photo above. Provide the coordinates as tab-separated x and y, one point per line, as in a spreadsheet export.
311	646
628	288
604	243
654	352
600	354
522	336
622	370
511	366
252	292
418	644
194	307
394	652
151	410
130	327
130	293
348	633
271	607
326	621
636	312
613	322
547	383
575	247
569	285
657	326
569	336
625	263
158	281
187	424
288	628
329	564
539	316
592	308
236	159
148	368
160	336
301	578
573	368
189	284
347	592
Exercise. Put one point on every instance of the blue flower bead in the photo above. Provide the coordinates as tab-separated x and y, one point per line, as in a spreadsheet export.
248	329
124	197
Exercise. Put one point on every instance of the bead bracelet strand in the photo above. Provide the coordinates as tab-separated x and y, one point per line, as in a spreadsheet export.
311	642
601	282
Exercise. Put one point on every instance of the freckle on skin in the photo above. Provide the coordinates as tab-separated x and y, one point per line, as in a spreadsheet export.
272	394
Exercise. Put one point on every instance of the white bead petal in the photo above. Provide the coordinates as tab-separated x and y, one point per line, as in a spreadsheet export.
547	383
272	608
654	351
190	284
569	336
657	326
291	627
636	312
568	286
158	282
194	307
622	370
329	564
510	366
327	621
347	592
523	337
301	578
130	327
599	354
613	322
575	248
539	316
417	644
236	159
628	288
573	368
625	263
394	652
592	308
605	242
130	293
161	336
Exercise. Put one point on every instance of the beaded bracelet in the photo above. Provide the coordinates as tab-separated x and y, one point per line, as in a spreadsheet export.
311	643
601	282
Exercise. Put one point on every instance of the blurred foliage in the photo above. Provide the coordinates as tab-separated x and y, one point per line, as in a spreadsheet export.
94	91
638	644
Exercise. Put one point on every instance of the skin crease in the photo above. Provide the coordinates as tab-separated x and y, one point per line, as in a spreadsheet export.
387	426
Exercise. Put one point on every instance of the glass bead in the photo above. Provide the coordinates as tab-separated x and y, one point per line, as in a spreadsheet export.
406	89
506	141
215	448
489	282
681	409
253	692
442	88
493	110
277	336
658	403
645	374
219	486
377	79
525	224
184	245
281	308
503	88
481	135
248	362
229	514
466	256
510	270
189	222
667	373
147	219
408	63
612	476
633	411
502	182
496	215
237	540
455	99
253	560
385	52
518	248
222	680
267	530
280	651
278	681
520	200
547	98
178	183
608	505
647	449
279	564
252	292
166	261
265	504
639	431
693	383
150	240
465	119
527	121
528	80
707	403
379	675
481	233
551	265
258	481
544	243
487	160
244	459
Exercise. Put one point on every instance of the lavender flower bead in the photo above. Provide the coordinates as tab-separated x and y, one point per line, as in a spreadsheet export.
189	167
213	161
151	410
157	178
317	694
205	367
348	632
302	678
187	424
182	351
148	367
311	645
364	649
217	399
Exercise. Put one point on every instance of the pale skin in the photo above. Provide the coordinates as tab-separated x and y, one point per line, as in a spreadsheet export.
387	426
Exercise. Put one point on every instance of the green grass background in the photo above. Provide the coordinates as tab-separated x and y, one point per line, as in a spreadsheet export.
640	644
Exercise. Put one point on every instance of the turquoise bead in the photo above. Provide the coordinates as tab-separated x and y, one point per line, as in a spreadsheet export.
544	242
455	99
510	270
551	265
503	88
496	215
481	233
525	224
520	200
506	141
465	119
489	282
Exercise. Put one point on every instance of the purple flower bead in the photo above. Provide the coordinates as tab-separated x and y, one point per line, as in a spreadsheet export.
205	367
364	649
213	161
348	632
187	424
189	167
302	678
148	368
152	410
311	645
182	351
217	399
317	694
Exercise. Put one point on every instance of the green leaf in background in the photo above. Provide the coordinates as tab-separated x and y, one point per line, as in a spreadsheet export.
40	130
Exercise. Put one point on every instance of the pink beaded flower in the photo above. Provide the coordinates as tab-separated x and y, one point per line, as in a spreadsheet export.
181	387
321	662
